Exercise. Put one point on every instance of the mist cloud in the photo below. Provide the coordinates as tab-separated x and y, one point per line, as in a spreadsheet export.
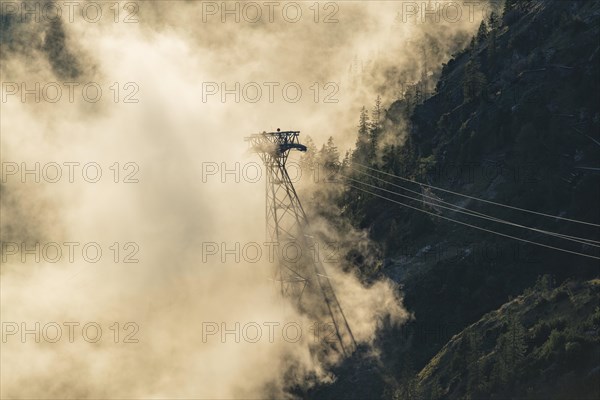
168	136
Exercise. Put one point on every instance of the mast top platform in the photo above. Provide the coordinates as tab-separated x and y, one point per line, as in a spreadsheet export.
276	144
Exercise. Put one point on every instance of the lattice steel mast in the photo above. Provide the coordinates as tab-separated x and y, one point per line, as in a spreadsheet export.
286	224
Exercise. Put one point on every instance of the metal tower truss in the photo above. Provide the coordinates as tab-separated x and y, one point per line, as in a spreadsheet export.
300	273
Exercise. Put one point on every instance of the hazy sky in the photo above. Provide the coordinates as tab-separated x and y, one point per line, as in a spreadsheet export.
131	174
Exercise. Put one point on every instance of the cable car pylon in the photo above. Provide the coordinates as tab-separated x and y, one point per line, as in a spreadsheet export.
302	279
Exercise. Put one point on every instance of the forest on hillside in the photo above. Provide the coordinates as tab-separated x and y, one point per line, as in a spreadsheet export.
514	119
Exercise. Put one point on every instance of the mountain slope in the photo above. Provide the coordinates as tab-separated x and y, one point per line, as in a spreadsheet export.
515	119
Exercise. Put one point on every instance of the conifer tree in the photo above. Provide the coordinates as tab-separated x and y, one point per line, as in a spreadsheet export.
493	24
474	80
375	130
308	159
474	366
332	155
482	33
361	151
511	352
516	346
363	123
376	114
493	21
